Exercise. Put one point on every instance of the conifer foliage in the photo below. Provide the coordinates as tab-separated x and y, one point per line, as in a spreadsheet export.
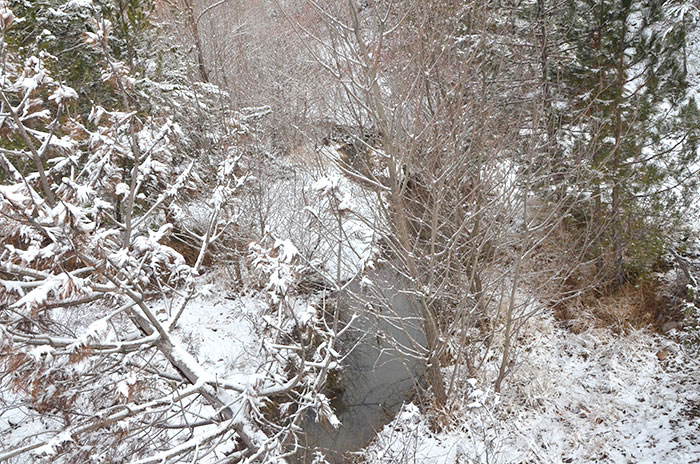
626	128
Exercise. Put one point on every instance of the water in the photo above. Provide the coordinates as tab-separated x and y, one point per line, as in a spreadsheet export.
379	374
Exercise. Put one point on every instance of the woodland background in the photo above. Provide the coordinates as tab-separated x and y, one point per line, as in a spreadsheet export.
191	192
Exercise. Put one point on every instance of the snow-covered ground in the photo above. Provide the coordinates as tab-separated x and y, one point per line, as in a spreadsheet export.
224	332
596	396
590	397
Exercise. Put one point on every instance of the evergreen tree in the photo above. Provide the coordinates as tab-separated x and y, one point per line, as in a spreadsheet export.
56	29
628	132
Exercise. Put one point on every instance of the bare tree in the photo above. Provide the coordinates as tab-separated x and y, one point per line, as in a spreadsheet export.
452	166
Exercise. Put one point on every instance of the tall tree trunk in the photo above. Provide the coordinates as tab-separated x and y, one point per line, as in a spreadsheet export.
189	11
617	212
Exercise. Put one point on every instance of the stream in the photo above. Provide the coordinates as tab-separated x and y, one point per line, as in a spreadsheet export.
378	375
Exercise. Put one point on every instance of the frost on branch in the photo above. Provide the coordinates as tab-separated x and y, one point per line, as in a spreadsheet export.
87	229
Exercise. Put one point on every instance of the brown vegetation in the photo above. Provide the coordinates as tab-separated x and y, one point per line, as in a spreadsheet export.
629	306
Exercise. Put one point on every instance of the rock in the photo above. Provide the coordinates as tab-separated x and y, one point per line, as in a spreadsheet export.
663	354
669	326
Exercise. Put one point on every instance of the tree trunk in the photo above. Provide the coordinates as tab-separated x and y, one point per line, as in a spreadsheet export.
617	212
189	10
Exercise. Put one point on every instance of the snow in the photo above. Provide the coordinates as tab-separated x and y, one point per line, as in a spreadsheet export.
41	293
347	203
326	185
50	448
287	250
590	397
13	193
596	396
78	4
305	209
63	93
124	386
40	351
223	332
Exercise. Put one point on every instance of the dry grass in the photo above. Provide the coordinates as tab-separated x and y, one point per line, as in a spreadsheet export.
582	297
629	306
635	306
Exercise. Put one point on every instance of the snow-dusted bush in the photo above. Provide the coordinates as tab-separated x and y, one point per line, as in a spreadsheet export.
93	286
